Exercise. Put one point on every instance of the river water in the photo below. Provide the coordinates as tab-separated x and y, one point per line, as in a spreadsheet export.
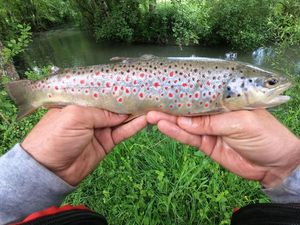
73	47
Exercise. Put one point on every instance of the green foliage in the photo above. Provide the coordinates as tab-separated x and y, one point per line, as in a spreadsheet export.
16	45
240	24
284	22
39	14
114	28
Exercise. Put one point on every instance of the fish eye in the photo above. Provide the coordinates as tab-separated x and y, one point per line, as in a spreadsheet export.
271	82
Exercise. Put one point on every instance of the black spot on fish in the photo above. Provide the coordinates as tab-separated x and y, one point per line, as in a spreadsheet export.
239	95
216	67
228	88
146	70
161	64
209	72
243	85
242	78
128	71
170	66
107	71
175	65
250	80
241	71
155	67
233	80
232	68
214	78
195	70
165	70
228	96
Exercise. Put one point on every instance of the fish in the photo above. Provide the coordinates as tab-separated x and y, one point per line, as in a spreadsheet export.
181	86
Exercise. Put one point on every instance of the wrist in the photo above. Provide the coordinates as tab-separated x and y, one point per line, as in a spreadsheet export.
277	174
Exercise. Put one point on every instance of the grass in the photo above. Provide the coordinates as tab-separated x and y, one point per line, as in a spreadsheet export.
151	179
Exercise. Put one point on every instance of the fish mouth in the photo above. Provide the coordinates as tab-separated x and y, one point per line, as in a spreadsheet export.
276	96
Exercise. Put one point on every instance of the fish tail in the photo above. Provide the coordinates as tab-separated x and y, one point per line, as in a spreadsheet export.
22	94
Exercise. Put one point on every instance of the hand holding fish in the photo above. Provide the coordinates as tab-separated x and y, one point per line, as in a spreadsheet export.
73	140
251	144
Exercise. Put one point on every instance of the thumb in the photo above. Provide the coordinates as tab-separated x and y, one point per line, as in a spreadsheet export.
94	117
220	124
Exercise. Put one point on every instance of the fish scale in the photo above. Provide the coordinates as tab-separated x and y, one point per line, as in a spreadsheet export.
179	86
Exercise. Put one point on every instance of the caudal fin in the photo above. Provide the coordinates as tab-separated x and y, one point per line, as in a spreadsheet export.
20	91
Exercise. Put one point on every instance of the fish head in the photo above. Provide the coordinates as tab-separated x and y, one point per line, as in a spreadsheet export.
252	87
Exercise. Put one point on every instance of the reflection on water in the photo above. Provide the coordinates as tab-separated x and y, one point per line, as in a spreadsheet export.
72	47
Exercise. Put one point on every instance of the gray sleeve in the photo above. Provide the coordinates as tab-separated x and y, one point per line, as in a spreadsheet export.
288	191
26	186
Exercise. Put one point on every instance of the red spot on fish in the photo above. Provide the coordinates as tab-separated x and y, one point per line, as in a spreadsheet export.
171	73
166	88
99	84
204	94
191	86
214	96
179	105
48	86
68	76
103	91
118	78
86	91
95	95
115	88
170	95
208	83
181	95
134	90
82	81
200	103
163	79
206	105
141	95
78	72
188	104
196	95
107	84
175	81
49	96
155	84
127	78
220	86
97	73
56	88
171	106
120	99
92	83
122	88
184	84
142	75
134	82
176	90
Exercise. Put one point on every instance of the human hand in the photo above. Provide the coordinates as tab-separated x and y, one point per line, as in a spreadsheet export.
251	144
72	141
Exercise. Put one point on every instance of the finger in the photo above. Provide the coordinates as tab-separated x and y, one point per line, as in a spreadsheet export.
153	117
173	131
93	117
129	129
220	124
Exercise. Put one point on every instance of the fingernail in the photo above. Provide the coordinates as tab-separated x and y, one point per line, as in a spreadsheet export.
185	121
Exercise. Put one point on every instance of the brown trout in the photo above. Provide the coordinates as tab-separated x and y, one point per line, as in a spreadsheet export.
178	86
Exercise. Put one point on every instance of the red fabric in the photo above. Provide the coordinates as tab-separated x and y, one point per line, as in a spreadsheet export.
50	211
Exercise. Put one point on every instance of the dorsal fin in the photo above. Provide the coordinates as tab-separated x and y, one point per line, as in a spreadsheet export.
127	59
